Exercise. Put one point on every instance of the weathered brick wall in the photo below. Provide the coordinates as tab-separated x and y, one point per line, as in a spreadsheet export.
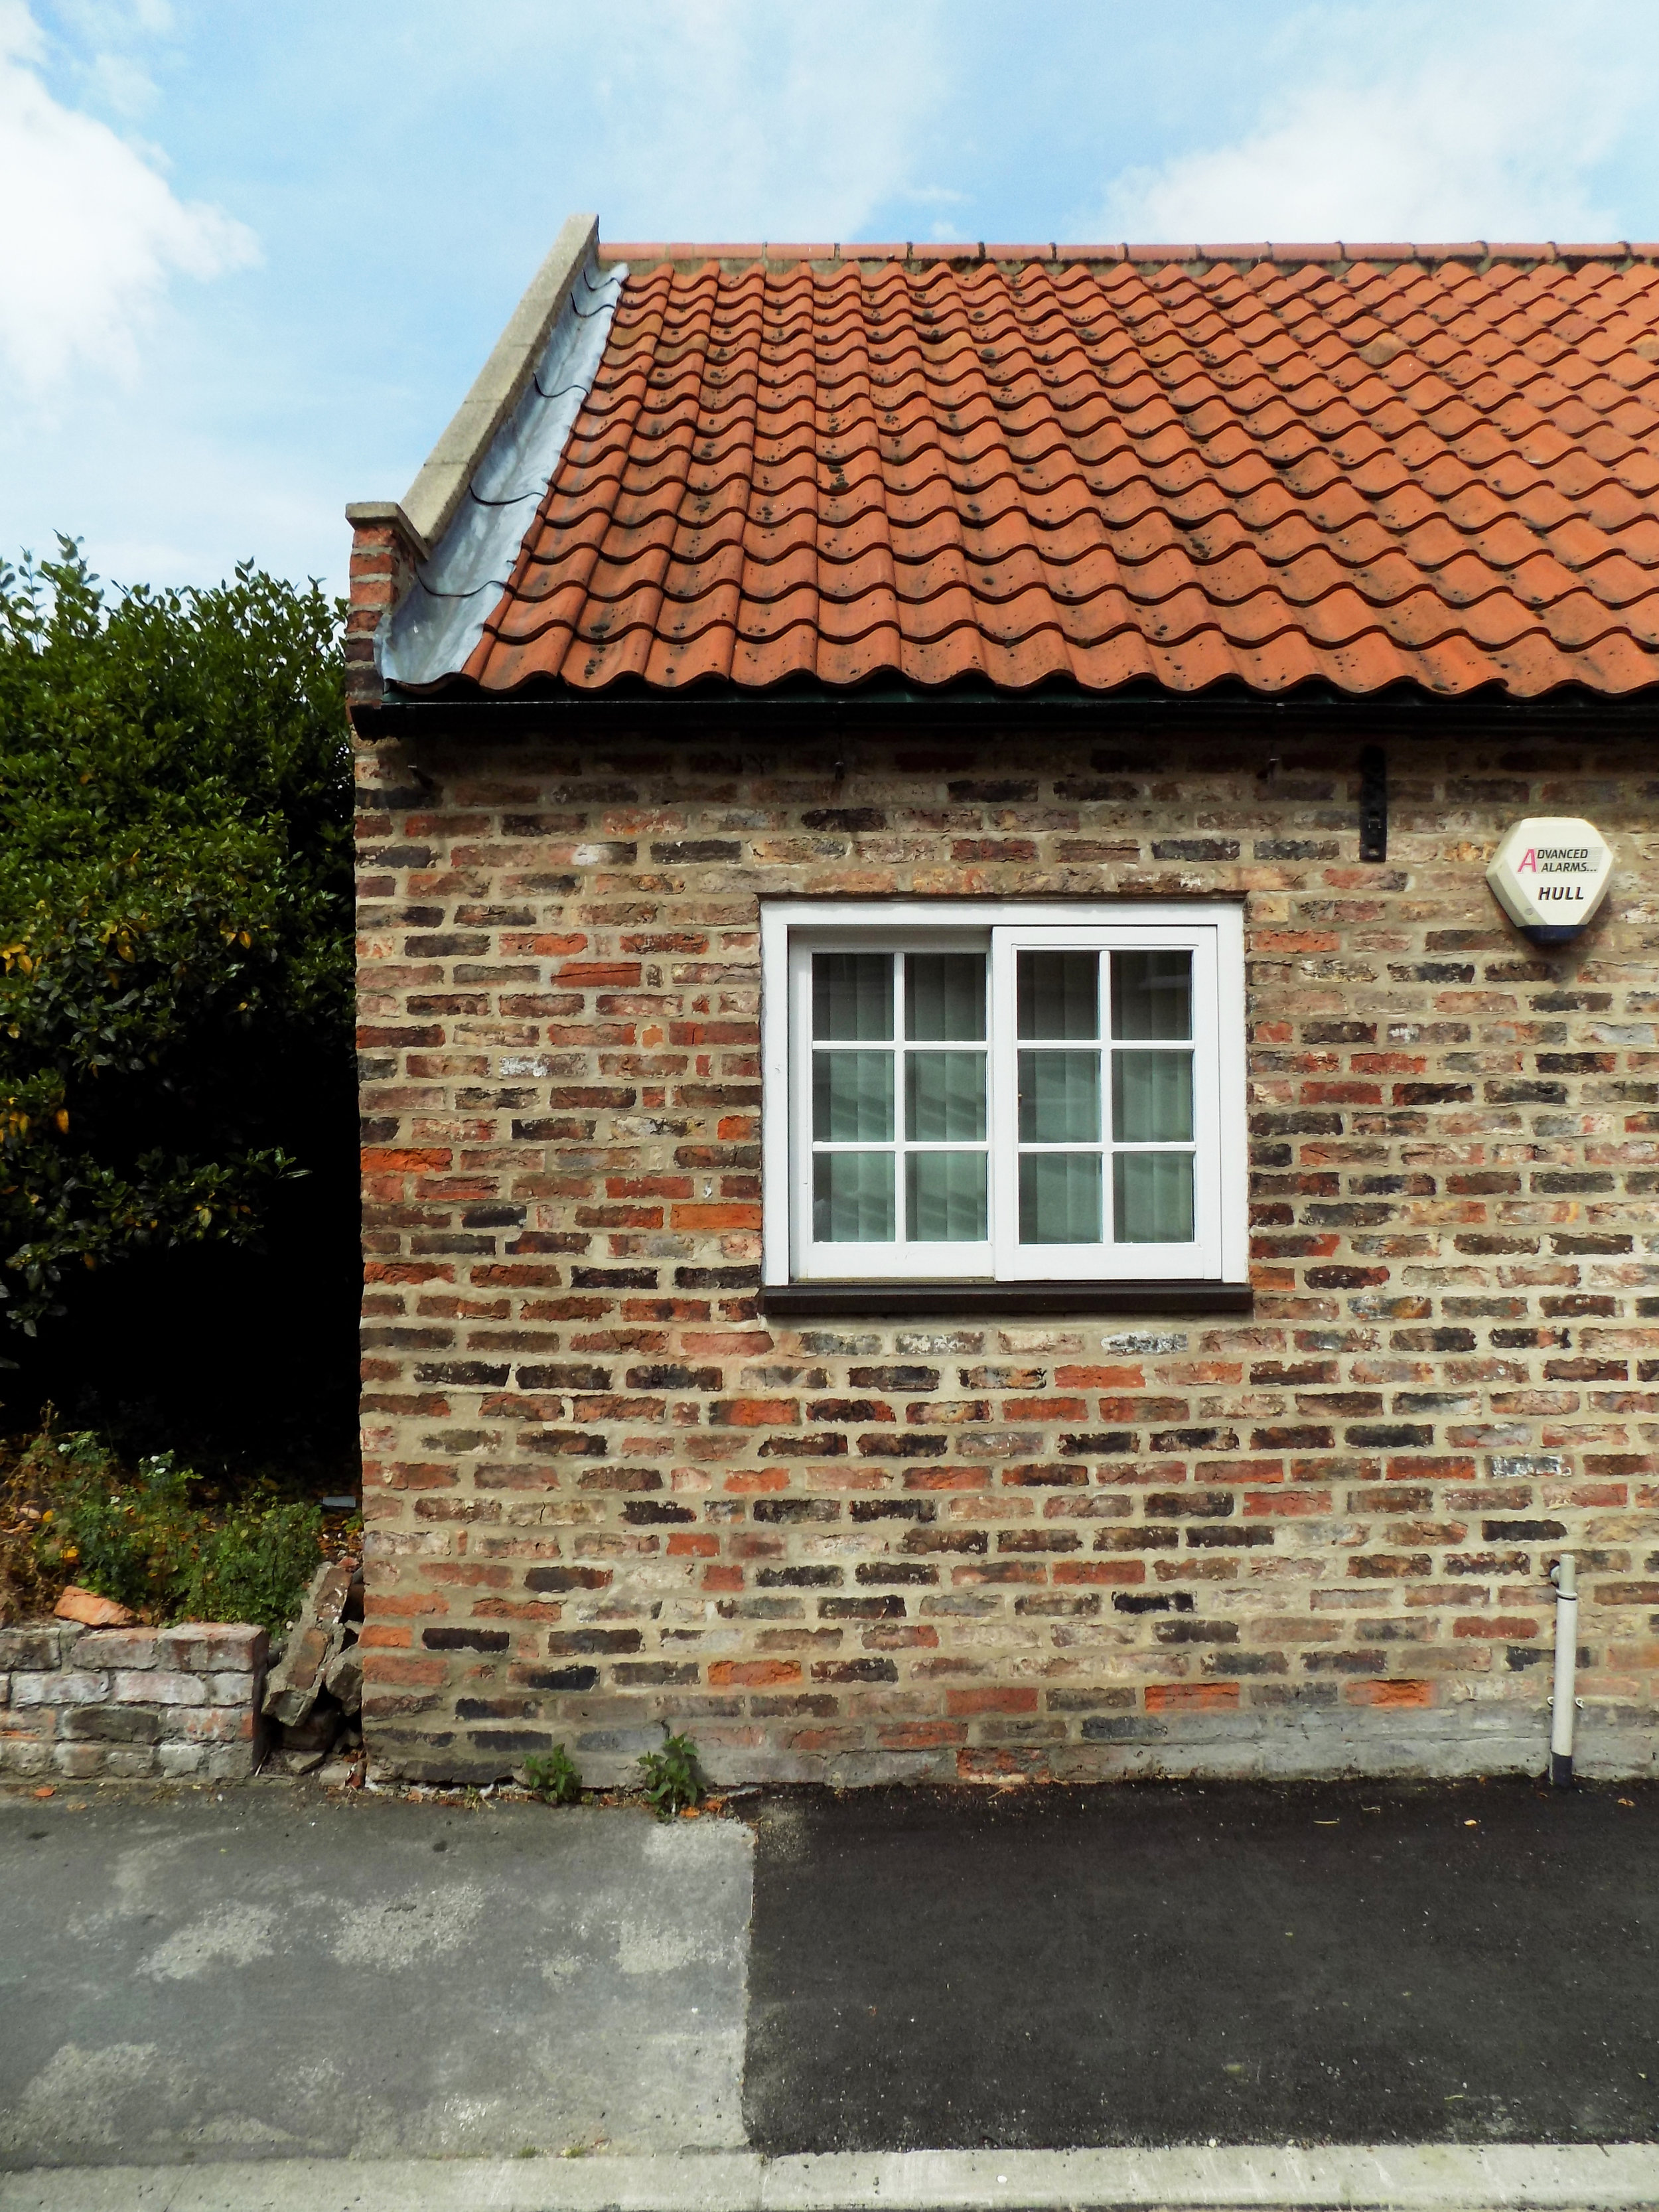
127	1702
602	1488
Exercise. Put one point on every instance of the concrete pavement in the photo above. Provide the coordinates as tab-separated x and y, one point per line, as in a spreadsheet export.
267	1973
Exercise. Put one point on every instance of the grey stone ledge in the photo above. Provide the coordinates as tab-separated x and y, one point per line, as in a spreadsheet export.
1385	2178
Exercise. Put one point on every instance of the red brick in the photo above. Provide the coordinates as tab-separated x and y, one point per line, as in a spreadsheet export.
1417	1695
722	1214
963	1705
1191	1697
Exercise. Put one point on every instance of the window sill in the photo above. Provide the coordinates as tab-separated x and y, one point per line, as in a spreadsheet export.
809	1299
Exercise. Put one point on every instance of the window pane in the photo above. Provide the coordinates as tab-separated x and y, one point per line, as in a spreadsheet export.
1151	994
1060	1098
1060	1198
1152	1098
852	1197
1152	1198
853	1098
852	995
945	1100
1059	994
944	995
945	1202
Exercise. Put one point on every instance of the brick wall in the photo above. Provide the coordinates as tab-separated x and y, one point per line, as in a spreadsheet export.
127	1702
602	1487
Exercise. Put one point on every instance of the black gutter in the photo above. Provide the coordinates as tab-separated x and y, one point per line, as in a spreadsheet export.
459	712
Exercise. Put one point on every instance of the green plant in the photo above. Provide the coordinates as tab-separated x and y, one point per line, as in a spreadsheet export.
130	1537
255	1565
175	881
553	1776
673	1779
140	1537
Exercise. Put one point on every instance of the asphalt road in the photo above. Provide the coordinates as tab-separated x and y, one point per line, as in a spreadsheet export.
1178	1964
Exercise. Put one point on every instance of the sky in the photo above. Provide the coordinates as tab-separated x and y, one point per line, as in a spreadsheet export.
254	254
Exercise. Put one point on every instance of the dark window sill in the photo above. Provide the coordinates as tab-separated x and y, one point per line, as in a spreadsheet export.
806	1299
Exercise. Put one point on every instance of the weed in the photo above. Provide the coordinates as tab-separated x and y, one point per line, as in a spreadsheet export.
256	1565
553	1776
130	1537
673	1779
138	1535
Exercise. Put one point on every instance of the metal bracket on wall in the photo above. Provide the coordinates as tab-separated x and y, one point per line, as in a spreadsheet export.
1373	803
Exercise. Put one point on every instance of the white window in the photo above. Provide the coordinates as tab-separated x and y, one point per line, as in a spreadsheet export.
970	1091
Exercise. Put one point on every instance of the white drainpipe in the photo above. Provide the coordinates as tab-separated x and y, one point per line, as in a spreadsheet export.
1564	1575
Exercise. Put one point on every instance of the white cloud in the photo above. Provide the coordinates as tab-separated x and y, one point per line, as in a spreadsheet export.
1427	127
103	34
103	21
735	120
120	83
95	234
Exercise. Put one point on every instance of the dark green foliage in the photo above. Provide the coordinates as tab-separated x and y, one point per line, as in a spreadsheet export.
553	1776
127	1536
175	855
140	1537
256	1563
673	1779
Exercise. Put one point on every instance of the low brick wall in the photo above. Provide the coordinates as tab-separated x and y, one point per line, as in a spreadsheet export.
131	1702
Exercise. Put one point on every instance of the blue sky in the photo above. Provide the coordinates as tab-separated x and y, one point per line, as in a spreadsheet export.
254	253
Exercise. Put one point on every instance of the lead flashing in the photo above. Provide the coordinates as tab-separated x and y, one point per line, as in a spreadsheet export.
431	632
439	487
450	522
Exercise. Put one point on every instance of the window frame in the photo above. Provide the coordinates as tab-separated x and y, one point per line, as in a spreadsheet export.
791	929
901	1261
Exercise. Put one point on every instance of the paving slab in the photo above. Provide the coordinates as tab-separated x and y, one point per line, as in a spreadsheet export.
1232	1964
1447	2177
270	1974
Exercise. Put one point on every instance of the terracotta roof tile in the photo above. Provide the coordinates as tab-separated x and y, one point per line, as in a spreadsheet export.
1177	463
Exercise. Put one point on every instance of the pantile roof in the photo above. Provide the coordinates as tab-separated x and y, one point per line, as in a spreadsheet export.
1365	465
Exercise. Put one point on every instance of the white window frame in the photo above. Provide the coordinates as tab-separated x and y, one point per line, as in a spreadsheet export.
1213	930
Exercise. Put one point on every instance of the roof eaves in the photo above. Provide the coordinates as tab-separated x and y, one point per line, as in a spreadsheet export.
460	704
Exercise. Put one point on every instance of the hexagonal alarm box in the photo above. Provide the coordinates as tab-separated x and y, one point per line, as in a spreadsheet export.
1549	874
